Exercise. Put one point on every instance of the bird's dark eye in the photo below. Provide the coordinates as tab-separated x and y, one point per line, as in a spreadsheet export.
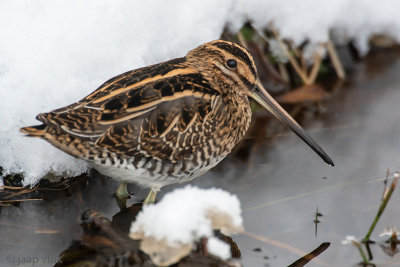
231	63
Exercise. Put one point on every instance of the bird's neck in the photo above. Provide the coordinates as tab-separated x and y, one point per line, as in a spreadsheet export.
235	120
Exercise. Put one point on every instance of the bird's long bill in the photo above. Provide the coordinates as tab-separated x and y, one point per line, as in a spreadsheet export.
264	99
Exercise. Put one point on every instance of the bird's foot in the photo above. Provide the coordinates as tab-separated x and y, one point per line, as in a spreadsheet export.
122	195
151	197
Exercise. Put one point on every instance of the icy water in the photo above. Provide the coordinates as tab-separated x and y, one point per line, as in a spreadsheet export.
279	180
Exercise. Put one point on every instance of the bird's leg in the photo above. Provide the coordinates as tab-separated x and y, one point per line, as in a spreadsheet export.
151	197
122	195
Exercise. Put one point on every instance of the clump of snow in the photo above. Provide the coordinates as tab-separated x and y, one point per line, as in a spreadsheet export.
55	52
218	248
170	228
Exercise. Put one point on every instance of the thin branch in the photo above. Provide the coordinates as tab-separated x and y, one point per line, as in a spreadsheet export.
242	41
282	245
335	60
19	200
291	59
307	258
11	187
316	66
284	73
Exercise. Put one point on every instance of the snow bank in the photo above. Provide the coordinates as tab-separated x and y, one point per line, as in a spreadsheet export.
53	53
170	228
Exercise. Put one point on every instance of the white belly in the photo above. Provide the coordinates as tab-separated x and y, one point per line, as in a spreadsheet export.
156	178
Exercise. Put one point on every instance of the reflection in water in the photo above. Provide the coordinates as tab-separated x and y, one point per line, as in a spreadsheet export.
106	243
278	179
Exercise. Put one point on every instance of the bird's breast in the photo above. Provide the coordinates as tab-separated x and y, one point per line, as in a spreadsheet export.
235	122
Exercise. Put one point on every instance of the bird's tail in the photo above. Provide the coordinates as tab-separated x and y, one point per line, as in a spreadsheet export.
34	131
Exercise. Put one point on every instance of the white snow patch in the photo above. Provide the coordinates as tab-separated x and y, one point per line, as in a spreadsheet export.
184	216
55	52
218	248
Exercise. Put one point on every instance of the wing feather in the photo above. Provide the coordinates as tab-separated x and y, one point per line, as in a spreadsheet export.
160	105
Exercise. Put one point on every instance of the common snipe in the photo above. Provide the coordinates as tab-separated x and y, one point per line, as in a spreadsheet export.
166	123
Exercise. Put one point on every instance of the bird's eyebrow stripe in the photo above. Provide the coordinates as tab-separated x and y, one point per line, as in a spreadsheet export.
237	52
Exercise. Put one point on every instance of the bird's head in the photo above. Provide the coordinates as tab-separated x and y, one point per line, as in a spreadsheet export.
231	67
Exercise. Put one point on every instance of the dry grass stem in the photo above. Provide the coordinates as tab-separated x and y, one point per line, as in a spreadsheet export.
283	72
242	41
387	195
291	59
20	200
315	69
335	60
